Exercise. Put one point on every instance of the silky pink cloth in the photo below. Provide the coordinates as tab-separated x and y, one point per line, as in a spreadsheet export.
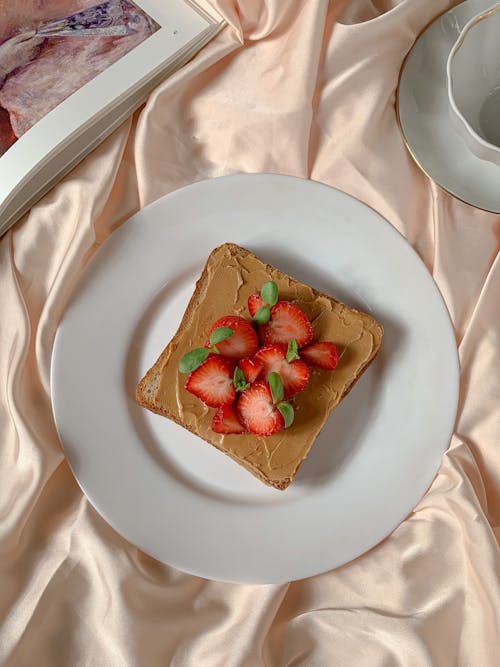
303	88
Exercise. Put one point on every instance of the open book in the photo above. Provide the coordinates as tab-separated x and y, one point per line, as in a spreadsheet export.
71	71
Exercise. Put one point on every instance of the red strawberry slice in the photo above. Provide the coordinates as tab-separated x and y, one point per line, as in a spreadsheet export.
242	343
251	367
212	382
323	355
294	375
254	303
226	420
287	322
258	412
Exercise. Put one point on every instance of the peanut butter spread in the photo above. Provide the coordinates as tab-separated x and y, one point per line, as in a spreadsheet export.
230	276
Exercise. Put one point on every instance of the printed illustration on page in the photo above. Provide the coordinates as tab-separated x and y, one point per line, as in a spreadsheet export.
51	48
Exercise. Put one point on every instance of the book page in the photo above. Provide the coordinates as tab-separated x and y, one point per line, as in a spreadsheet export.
105	51
82	41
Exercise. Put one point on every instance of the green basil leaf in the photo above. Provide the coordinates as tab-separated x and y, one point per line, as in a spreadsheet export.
262	315
239	380
220	334
292	352
287	411
193	359
269	293
276	386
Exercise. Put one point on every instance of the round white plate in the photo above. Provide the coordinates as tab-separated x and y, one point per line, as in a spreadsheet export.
424	114
177	497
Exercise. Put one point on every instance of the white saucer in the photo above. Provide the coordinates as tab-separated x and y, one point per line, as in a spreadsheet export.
424	116
182	500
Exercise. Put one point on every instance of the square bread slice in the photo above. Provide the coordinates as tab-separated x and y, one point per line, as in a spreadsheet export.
230	275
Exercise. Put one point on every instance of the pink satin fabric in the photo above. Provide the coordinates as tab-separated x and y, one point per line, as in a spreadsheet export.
303	88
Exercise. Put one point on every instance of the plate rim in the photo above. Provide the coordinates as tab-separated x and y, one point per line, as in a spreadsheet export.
455	372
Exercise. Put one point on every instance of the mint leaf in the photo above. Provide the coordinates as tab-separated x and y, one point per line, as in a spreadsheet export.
269	293
193	359
287	411
292	352
239	380
220	334
262	315
276	386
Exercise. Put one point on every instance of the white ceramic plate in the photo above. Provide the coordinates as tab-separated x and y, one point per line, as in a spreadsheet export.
425	120
177	497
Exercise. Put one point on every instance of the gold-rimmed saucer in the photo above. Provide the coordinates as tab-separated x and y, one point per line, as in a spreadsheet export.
423	114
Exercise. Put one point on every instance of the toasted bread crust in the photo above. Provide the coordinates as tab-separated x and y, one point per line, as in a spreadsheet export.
146	389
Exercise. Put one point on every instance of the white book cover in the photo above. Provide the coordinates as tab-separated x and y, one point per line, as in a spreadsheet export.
72	70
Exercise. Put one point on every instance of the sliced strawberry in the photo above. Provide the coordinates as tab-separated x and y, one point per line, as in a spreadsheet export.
294	375
254	303
242	343
323	355
227	420
258	412
212	382
287	322
251	367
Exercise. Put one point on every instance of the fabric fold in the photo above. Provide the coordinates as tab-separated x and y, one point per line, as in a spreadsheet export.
298	88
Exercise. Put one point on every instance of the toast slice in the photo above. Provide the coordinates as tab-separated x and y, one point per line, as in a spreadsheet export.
230	275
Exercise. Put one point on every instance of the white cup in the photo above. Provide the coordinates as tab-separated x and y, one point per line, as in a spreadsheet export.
473	77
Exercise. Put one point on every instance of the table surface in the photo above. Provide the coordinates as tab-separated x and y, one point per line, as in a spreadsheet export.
306	89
